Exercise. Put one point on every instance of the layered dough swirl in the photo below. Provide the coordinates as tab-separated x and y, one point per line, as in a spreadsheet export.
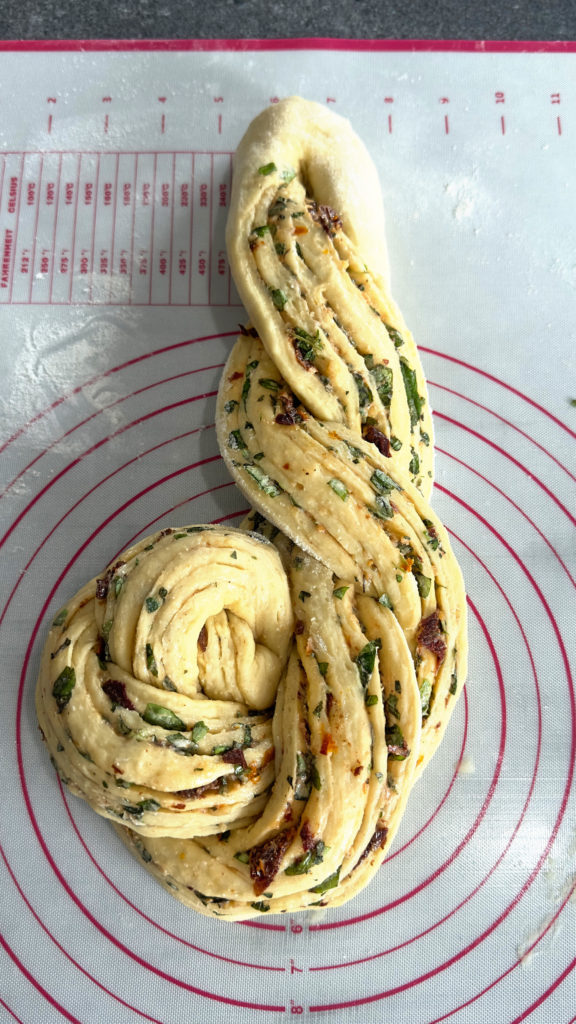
251	707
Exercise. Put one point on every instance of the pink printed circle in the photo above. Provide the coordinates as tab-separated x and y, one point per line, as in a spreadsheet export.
135	476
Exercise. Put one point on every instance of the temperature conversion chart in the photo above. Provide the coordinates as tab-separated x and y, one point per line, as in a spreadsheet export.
117	314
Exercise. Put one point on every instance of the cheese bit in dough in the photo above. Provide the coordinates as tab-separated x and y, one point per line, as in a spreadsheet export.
159	677
304	212
346	732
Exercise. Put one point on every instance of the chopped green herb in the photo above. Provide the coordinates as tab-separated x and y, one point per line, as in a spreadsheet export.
259	905
106	627
168	684
391	705
318	709
414	464
329	883
199	731
386	602
382	508
453	684
308	345
382	483
425	688
137	810
395	443
267	169
340	591
382	377
156	714
322	667
287	175
365	396
151	660
303	595
370	700
399	578
312	857
425	437
397	748
118	582
261	231
63	686
339	488
299	250
280	248
423	583
234	554
181	744
60	618
366	660
395	336
230	406
152	604
243	856
269	384
267	484
415	401
279	298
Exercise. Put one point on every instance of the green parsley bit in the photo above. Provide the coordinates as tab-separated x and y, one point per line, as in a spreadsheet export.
288	175
262	907
60	618
152	604
453	684
366	659
370	700
339	488
151	660
279	298
423	583
267	169
243	856
322	667
415	401
329	883
63	686
261	231
425	688
199	731
340	591
156	714
386	602
265	483
269	384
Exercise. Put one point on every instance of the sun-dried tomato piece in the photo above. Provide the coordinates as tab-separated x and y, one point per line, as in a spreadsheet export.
234	756
307	836
265	859
116	691
375	436
431	636
376	843
203	638
326	217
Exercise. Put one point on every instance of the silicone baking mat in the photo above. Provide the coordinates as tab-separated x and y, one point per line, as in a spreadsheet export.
116	314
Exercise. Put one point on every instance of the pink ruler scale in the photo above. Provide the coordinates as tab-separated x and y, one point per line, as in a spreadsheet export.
116	315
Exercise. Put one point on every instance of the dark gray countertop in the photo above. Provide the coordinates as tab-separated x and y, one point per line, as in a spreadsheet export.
380	19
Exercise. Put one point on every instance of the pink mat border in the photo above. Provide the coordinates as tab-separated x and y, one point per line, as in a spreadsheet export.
306	43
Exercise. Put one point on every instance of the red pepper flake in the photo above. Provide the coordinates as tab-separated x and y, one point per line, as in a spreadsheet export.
290	416
299	627
117	770
371	433
116	691
288	815
328	745
234	756
431	636
265	859
178	807
357	769
329	703
236	376
203	638
376	843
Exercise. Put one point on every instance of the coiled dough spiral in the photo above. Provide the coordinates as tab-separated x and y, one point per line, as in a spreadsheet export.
252	707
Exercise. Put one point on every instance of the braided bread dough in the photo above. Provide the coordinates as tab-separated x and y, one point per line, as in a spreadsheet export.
252	707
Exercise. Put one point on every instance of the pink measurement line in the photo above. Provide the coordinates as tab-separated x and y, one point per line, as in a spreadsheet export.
133	228
56	208
95	200
171	251
151	267
113	240
211	230
74	223
503	124
192	185
35	233
559	125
